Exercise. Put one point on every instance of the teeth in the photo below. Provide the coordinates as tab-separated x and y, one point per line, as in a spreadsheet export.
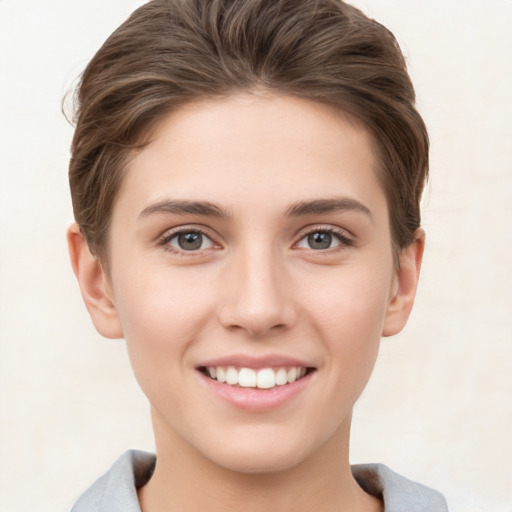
281	377
265	378
247	378
220	374
292	374
231	376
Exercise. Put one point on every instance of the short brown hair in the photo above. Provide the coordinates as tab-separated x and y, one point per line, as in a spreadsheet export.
170	52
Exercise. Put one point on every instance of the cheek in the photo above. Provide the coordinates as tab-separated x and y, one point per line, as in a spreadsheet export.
162	316
352	304
162	312
350	315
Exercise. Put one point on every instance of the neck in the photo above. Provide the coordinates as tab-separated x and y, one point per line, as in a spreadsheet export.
185	480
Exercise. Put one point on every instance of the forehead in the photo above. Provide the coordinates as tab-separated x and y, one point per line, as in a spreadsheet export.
252	148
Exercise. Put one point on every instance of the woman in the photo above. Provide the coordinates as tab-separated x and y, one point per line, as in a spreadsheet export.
246	179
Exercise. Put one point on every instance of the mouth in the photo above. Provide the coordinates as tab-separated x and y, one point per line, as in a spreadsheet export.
256	378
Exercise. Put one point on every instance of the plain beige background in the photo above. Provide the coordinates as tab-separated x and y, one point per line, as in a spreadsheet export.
439	406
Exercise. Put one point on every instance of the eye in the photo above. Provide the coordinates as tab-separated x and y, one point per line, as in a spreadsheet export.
323	239
188	240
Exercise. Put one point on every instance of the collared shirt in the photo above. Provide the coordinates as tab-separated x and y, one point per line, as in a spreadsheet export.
116	490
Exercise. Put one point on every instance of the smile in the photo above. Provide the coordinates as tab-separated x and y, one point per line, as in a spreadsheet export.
262	378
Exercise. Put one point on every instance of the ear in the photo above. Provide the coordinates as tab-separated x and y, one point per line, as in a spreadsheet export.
94	285
405	285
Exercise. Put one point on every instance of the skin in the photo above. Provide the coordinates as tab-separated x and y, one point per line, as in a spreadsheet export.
256	286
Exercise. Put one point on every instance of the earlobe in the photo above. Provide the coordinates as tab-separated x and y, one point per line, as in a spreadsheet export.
404	291
94	285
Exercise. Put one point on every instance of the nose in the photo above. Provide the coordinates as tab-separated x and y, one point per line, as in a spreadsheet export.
257	295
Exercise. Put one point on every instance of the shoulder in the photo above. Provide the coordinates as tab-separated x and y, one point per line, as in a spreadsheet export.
398	493
116	490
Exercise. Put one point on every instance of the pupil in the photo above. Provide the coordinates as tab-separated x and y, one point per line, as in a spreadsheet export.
320	240
190	241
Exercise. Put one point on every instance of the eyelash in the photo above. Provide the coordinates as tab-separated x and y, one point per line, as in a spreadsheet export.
344	239
166	238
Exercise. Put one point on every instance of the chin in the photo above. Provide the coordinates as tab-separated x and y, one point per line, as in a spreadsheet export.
259	461
259	454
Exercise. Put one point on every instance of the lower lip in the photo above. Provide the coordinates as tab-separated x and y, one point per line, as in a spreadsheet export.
255	399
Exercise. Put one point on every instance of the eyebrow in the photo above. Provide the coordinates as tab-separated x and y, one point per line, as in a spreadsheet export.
323	206
185	207
299	209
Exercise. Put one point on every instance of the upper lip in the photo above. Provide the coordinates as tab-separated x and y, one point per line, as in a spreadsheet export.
248	361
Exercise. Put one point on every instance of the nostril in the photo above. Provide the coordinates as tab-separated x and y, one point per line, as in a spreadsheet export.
261	330
256	304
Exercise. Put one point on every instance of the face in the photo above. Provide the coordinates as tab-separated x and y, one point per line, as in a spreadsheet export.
252	275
